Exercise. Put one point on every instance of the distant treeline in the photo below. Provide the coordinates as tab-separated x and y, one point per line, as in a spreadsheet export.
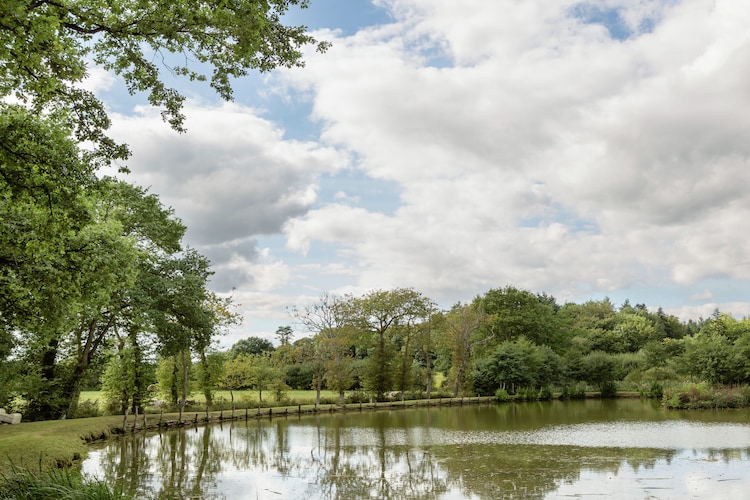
395	344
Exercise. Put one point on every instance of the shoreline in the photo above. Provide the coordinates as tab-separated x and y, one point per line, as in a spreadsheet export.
64	443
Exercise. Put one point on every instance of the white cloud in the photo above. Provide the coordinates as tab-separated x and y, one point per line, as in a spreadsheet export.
526	145
549	155
232	177
97	79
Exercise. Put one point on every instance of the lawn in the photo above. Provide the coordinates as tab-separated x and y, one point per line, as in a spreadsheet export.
241	398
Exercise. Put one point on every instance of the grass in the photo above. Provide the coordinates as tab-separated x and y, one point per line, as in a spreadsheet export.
54	484
241	398
52	443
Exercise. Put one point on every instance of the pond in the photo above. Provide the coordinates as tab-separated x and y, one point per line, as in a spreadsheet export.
621	448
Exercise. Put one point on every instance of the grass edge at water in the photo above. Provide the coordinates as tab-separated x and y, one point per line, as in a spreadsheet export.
53	484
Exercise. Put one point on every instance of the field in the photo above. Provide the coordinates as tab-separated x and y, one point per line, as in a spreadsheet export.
241	398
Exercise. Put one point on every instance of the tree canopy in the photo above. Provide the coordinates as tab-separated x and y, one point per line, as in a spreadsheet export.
47	46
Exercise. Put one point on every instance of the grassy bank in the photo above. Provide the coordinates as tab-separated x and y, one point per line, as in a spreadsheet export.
53	443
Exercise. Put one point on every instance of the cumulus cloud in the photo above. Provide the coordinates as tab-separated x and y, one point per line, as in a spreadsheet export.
231	178
533	147
582	148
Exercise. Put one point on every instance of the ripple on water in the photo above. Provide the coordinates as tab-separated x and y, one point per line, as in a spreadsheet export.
673	435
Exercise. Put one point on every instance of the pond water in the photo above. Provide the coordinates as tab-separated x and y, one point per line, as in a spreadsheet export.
621	448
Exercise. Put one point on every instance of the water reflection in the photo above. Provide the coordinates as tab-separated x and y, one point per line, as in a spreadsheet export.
626	448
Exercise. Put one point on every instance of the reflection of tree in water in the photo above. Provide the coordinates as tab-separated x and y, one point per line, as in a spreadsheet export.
125	460
727	456
525	471
171	464
188	461
262	445
344	469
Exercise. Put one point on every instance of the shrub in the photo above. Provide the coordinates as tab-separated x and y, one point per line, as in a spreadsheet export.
357	397
656	391
545	393
502	395
578	391
87	409
697	396
526	394
608	389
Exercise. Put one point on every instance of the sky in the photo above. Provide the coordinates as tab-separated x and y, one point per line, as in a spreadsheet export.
584	149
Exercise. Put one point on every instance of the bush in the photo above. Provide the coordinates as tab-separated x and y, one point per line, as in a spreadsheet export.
578	391
525	394
87	409
357	397
502	395
545	393
702	396
608	389
655	391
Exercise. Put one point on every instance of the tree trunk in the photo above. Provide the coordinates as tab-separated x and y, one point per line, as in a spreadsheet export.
138	388
318	386
184	391
207	383
46	407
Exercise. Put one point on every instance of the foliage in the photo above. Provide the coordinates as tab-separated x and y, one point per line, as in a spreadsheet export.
462	335
545	393
502	395
45	46
378	315
284	334
703	396
515	313
601	369
171	371
258	372
54	484
655	391
577	391
209	371
251	345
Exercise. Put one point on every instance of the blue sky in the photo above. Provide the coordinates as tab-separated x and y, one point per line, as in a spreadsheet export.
583	149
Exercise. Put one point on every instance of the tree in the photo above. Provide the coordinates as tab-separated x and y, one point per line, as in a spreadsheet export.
284	334
85	263
251	345
262	374
237	374
635	330
45	46
172	372
427	346
331	319
513	313
209	373
379	313
47	217
462	335
709	356
513	364
407	336
600	369
309	368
